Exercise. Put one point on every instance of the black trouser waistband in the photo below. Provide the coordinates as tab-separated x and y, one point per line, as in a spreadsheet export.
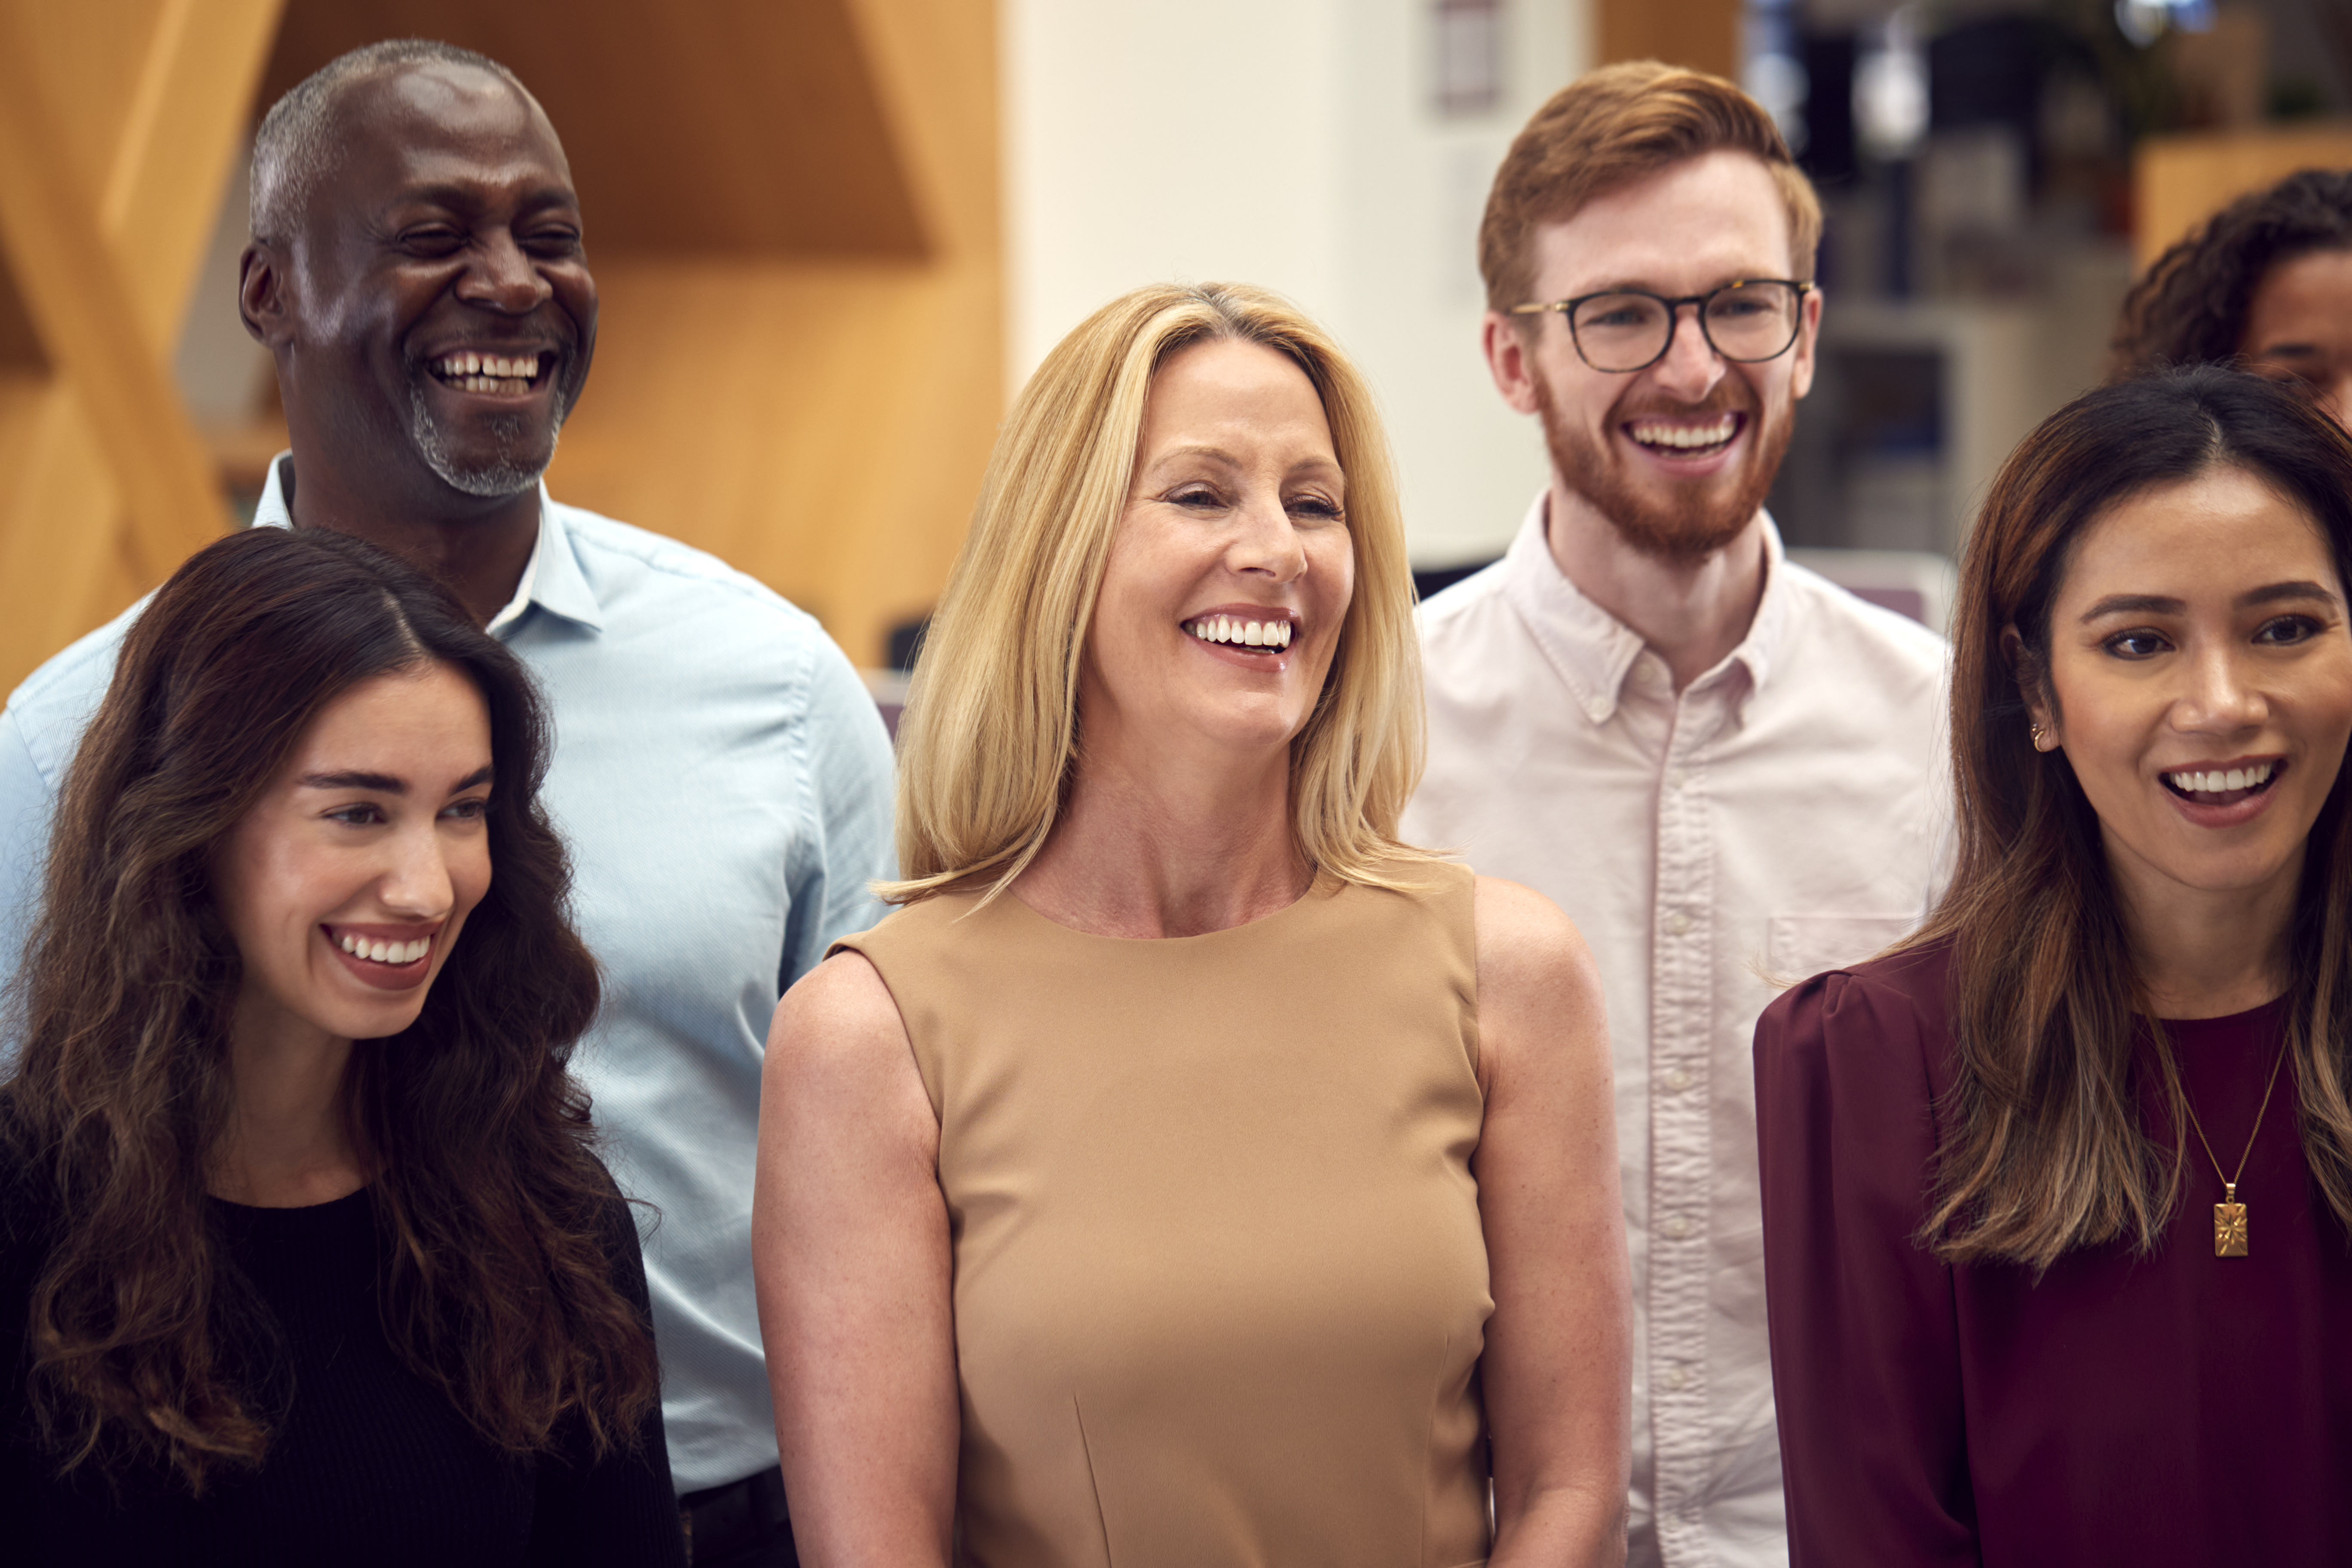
736	1515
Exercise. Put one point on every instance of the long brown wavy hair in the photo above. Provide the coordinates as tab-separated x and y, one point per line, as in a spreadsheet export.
503	1234
2046	1150
2191	305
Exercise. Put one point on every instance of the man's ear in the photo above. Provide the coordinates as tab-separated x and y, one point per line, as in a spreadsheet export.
1509	360
262	304
1808	331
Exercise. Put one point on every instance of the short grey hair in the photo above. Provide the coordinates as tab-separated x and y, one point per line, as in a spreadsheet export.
297	144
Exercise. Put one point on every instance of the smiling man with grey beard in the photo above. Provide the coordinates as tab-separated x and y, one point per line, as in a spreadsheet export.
1722	766
419	273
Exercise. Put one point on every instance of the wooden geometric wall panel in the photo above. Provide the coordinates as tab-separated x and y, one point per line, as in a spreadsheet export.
118	121
740	126
791	208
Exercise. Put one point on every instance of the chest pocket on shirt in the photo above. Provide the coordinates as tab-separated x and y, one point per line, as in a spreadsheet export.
1798	947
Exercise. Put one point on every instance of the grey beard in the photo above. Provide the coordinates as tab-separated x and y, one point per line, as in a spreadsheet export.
505	474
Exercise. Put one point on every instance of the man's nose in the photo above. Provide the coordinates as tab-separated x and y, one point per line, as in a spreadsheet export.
1692	367
503	277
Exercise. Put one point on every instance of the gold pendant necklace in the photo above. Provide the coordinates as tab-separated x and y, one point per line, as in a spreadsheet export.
2229	1216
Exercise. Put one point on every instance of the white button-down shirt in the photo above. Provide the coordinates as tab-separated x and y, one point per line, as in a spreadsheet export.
1783	815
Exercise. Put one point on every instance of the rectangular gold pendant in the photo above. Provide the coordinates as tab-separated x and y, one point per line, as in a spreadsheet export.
2229	1230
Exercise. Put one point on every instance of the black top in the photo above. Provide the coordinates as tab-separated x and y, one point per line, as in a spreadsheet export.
369	1463
2167	1409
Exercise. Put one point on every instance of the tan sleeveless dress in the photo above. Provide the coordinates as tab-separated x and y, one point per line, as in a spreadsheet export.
1220	1283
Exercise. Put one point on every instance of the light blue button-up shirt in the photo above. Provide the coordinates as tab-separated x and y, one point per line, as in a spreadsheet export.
724	782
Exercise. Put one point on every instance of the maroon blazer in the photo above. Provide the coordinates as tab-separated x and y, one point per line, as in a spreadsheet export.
2165	1408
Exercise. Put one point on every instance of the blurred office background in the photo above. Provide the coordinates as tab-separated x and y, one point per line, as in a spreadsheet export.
833	235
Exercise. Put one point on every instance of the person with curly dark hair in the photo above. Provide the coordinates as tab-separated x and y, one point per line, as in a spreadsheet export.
2267	279
306	1254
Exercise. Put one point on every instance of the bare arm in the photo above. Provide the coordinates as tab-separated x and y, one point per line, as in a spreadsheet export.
849	1245
1558	1365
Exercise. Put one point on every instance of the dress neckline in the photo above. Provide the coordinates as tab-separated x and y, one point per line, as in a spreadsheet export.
1322	885
2258	1013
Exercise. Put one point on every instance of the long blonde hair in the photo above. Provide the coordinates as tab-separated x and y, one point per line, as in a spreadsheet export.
989	739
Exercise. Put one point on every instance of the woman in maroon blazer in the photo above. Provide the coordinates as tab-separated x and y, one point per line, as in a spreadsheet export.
2058	1195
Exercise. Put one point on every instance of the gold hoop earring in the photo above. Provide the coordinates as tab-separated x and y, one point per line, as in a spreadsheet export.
2040	737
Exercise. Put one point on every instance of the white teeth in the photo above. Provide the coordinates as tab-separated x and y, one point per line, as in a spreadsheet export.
385	951
470	371
2217	781
1248	634
1685	436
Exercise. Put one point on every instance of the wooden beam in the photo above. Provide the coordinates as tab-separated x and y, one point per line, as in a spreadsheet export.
105	337
185	128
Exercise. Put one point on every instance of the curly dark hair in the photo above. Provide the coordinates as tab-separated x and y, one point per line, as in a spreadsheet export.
2191	305
503	1246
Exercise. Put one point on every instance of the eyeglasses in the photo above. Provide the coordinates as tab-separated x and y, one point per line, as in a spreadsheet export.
1625	330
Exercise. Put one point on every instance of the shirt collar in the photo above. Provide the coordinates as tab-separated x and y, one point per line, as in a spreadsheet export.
551	578
1594	652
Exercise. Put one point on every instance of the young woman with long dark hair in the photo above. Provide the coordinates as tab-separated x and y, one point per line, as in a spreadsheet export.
2058	1194
307	1256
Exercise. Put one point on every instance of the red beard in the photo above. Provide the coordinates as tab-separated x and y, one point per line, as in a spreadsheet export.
1685	531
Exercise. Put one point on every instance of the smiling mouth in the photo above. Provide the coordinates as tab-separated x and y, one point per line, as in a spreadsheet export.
390	954
2222	787
1686	438
1267	637
509	376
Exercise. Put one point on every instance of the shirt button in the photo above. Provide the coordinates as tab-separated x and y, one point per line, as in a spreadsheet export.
1677	1379
1676	1081
1678	923
1676	1228
1676	779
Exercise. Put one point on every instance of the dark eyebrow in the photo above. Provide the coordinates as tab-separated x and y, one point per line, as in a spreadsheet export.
468	198
2278	591
2157	605
2134	604
2285	350
383	784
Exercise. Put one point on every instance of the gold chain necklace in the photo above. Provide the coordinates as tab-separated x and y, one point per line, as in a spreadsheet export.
2229	1216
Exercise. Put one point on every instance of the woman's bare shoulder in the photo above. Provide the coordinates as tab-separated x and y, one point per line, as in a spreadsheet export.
1528	945
839	1014
1539	1007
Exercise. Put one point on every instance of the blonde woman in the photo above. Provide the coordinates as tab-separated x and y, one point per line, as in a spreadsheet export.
1189	1172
